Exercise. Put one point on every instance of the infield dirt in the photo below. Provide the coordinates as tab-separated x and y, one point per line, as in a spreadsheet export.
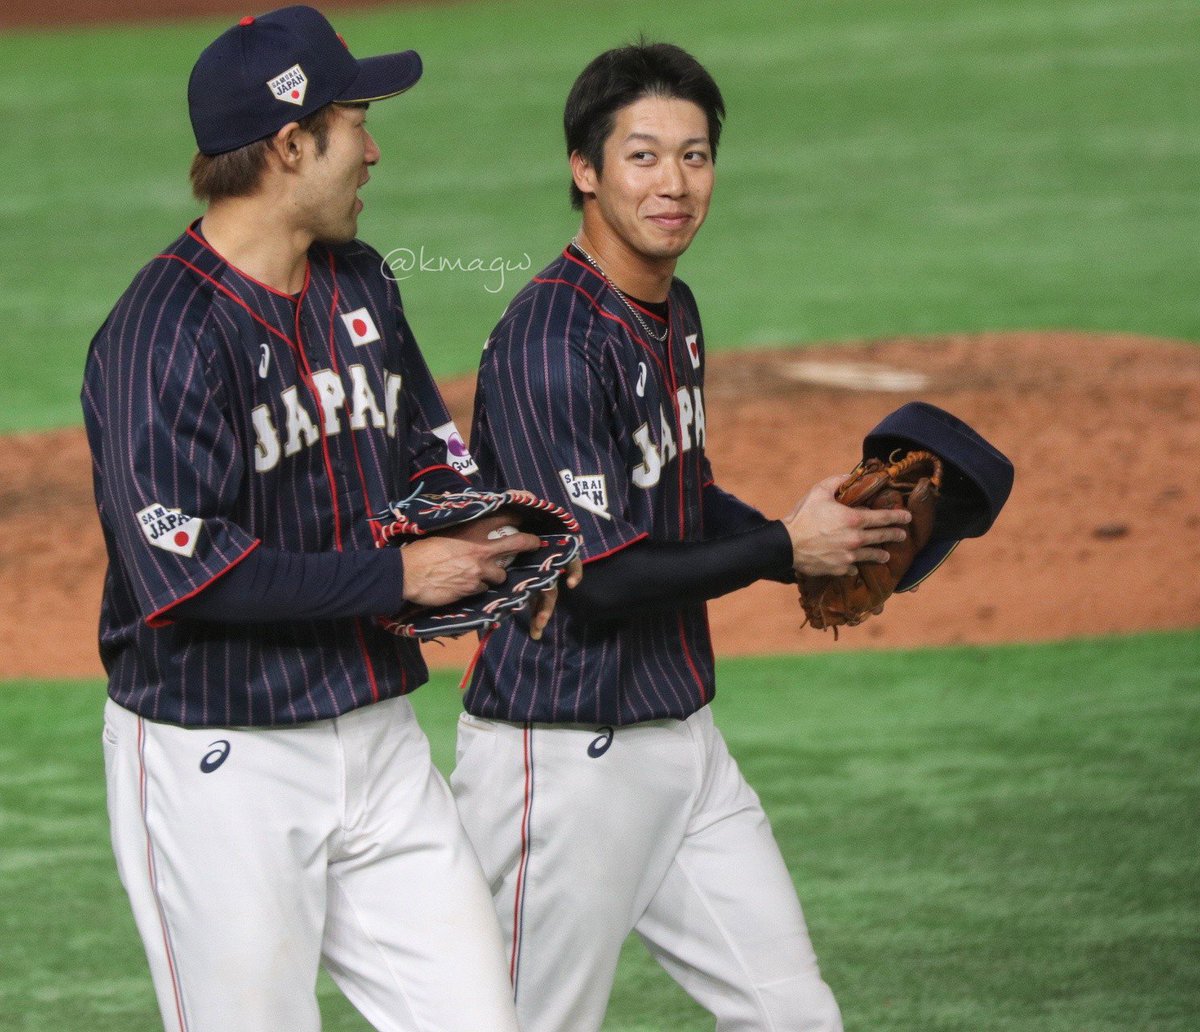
1101	534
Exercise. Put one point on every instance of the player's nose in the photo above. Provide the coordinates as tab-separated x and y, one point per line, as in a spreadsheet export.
371	154
672	181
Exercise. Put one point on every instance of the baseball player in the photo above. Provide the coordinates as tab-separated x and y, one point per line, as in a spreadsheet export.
253	397
590	777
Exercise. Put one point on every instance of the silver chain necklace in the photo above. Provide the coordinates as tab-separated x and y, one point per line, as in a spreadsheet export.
659	338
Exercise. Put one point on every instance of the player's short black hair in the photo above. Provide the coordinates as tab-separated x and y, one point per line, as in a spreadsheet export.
237	173
620	77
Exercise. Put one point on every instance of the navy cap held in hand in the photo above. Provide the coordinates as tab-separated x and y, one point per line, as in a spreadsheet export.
976	477
277	68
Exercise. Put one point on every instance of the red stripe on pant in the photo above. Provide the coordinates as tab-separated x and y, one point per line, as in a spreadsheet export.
523	863
151	869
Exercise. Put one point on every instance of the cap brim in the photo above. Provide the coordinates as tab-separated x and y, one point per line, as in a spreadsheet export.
926	562
382	77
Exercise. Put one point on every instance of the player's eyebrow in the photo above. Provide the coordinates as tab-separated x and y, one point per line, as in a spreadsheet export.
651	138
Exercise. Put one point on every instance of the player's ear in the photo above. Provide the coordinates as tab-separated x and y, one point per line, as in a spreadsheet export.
287	144
584	173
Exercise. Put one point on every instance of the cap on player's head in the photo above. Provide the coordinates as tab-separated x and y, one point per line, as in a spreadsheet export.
620	77
270	70
976	477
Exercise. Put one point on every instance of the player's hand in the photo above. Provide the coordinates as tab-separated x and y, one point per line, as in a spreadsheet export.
442	569
544	601
829	538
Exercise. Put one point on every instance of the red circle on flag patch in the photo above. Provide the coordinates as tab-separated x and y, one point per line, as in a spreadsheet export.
181	538
360	328
295	94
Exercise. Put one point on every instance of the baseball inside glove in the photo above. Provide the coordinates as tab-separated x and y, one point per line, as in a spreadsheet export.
422	515
910	482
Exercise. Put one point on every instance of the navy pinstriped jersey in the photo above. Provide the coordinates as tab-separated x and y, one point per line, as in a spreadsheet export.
575	404
221	415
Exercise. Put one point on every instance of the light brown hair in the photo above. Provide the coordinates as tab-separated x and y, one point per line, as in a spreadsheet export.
237	173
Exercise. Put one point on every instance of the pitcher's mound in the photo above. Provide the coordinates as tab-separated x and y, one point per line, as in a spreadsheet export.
1101	535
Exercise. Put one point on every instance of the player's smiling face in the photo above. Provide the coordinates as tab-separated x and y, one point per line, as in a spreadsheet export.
654	191
330	199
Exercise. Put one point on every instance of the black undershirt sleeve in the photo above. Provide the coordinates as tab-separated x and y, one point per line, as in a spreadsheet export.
269	585
727	514
652	576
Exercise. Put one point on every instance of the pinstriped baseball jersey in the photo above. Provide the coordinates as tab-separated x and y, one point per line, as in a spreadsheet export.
576	404
221	415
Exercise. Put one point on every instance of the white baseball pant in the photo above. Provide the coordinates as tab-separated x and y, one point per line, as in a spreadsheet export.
252	856
586	835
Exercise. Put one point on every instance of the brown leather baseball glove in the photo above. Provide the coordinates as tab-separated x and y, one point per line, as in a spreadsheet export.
910	482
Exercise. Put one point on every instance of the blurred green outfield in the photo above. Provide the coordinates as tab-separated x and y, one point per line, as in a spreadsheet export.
986	840
991	839
889	167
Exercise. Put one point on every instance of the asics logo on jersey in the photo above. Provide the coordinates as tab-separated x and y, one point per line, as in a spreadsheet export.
657	454
264	363
218	752
284	427
599	745
641	381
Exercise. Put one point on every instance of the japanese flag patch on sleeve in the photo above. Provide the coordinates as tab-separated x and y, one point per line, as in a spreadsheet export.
360	326
170	529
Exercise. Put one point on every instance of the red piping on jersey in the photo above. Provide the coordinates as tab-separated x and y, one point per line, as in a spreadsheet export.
632	303
600	311
617	548
362	477
306	369
687	653
466	677
245	275
297	346
155	619
669	370
678	429
439	465
362	647
306	375
333	362
233	297
152	873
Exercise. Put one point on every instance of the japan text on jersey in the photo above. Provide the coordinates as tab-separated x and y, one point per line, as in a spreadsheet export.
223	416
576	404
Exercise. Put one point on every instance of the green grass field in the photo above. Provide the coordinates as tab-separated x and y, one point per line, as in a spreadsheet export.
985	840
889	167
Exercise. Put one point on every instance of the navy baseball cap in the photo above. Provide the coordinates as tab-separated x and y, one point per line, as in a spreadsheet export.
976	478
277	68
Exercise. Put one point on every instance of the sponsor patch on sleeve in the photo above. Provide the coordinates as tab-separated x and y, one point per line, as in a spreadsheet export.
458	458
588	491
170	529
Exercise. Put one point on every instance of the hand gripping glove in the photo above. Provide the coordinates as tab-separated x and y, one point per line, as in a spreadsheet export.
910	482
422	515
